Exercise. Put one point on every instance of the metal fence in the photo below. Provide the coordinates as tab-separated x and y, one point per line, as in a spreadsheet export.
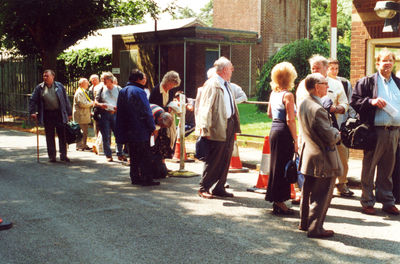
18	77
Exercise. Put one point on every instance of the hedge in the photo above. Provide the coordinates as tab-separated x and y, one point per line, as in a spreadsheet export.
298	53
75	64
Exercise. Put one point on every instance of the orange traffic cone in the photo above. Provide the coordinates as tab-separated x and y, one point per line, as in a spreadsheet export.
262	181
236	164
177	154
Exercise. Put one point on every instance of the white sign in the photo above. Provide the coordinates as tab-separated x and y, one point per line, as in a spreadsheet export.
116	70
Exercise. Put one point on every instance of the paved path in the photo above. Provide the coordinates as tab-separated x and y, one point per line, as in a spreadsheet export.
87	212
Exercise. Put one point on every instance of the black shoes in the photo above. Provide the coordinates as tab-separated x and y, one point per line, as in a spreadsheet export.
5	225
65	159
343	190
223	194
53	159
152	183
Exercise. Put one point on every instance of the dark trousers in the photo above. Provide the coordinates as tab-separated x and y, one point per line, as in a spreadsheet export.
396	177
141	166
53	123
216	166
316	198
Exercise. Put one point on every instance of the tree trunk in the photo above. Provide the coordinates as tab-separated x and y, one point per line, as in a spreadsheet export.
49	59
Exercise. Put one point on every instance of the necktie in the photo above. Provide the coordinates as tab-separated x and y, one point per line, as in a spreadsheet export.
230	97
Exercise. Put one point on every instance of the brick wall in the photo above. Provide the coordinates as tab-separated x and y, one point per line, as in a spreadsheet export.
278	22
365	25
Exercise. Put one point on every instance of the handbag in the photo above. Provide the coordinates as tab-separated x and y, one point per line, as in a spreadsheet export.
357	135
73	132
202	148
291	170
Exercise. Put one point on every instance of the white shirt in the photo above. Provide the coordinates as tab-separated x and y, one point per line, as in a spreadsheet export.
338	96
229	104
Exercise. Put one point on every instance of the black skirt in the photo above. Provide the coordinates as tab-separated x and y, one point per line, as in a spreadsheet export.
282	150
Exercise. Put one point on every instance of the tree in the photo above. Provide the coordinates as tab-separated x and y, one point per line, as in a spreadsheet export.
298	53
47	27
320	20
205	15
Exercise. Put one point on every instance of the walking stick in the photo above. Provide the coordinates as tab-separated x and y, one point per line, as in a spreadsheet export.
37	139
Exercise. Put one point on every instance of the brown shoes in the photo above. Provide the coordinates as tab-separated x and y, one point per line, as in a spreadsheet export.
109	159
369	210
205	194
391	210
223	194
122	158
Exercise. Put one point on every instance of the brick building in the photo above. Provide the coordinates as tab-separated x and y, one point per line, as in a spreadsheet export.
367	38
278	22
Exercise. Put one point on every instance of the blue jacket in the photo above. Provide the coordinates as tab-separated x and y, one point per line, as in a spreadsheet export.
36	102
135	121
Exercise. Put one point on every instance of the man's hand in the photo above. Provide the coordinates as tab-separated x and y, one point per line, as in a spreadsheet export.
378	102
70	117
34	116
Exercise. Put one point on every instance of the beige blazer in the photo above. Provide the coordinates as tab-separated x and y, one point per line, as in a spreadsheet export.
319	156
211	117
81	108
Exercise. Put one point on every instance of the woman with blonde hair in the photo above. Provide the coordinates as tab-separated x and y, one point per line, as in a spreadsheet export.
282	137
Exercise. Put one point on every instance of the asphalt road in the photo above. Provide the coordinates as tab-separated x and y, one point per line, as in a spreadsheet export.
87	212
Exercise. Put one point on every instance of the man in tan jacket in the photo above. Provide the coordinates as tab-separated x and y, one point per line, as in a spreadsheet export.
218	121
319	160
81	112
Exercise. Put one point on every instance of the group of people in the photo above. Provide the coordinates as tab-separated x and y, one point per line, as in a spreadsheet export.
144	123
126	112
325	101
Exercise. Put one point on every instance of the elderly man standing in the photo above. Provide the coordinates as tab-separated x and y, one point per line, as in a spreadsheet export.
218	121
81	112
106	100
373	98
319	161
338	106
134	126
50	101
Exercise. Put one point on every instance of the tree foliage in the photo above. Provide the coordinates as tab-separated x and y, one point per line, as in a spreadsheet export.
205	15
320	20
298	53
47	27
76	64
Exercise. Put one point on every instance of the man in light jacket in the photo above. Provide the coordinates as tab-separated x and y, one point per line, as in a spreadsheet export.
319	159
218	121
81	112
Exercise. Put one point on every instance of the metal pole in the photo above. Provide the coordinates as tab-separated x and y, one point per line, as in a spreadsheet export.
184	67
333	28
219	50
182	100
250	71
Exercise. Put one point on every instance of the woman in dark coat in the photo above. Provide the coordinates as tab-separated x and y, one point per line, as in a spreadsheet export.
282	137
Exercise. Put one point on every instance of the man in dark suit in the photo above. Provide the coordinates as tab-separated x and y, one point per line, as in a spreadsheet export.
135	125
376	99
319	160
49	104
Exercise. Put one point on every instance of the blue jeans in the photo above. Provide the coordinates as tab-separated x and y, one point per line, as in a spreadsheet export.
107	124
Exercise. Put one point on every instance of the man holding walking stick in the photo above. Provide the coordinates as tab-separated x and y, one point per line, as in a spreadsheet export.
50	101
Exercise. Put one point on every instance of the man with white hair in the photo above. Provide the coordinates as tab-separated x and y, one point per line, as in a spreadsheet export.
218	121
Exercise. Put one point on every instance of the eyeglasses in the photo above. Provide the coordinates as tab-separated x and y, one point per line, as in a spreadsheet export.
326	83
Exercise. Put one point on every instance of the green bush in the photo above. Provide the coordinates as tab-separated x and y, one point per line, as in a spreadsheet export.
75	64
298	53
